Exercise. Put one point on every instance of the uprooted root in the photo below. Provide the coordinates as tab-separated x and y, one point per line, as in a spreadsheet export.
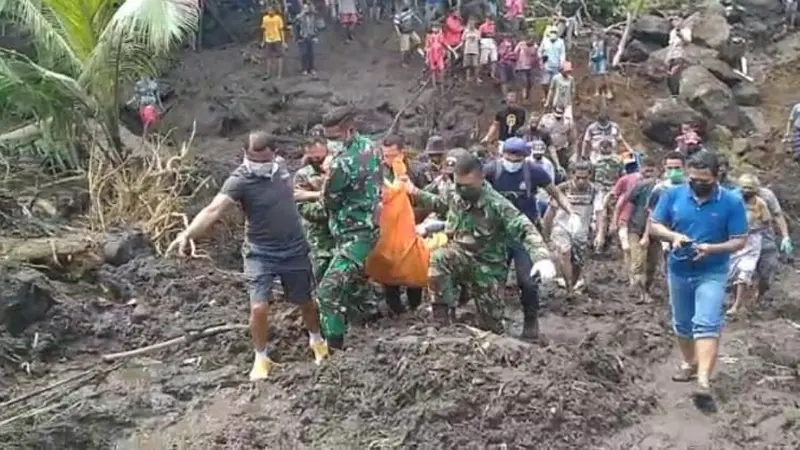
150	188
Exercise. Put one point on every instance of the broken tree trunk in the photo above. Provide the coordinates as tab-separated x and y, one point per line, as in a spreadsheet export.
66	253
634	6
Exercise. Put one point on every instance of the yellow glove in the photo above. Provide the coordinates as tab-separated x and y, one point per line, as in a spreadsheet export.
436	241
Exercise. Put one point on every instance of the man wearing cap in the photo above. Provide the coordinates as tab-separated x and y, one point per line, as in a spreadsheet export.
553	53
562	91
480	225
517	179
351	194
274	247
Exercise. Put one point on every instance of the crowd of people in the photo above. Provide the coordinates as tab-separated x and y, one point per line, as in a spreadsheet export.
541	199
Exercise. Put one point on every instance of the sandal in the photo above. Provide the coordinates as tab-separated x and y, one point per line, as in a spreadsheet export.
685	373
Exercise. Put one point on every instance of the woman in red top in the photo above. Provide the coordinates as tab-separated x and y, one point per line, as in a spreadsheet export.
435	53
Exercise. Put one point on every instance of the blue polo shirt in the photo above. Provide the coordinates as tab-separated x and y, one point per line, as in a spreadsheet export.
717	220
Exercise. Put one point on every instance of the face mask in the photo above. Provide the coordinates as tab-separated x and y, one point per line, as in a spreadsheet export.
469	193
261	169
510	166
701	188
675	176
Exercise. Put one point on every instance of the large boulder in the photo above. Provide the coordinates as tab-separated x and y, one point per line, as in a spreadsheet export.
722	71
653	29
705	93
746	94
693	54
25	298
662	121
754	122
638	51
710	27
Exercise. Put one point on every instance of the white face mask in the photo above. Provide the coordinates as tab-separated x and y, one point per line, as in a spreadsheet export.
261	169
510	166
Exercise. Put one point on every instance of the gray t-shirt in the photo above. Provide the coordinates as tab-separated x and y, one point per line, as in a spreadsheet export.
273	231
775	210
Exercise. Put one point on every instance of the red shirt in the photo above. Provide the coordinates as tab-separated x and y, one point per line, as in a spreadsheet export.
453	28
621	190
486	29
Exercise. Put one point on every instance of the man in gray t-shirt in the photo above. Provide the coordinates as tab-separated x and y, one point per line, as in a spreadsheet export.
275	245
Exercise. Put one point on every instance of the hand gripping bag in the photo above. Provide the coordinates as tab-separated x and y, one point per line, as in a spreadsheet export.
400	258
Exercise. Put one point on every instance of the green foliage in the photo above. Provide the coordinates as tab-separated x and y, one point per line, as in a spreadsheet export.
604	12
85	51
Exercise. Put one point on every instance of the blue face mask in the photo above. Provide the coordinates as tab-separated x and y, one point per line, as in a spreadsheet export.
511	166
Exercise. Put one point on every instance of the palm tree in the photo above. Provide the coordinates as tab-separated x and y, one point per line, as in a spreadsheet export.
86	52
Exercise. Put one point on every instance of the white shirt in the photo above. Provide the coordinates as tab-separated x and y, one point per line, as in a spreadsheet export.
548	167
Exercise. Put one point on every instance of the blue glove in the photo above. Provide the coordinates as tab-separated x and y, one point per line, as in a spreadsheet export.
787	246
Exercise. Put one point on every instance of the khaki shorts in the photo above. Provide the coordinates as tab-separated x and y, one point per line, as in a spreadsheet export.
471	60
407	40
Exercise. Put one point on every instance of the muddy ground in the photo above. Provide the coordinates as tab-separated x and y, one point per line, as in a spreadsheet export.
602	382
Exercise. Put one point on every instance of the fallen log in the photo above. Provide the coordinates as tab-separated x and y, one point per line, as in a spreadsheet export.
58	253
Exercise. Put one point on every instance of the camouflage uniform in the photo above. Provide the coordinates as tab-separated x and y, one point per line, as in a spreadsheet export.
477	250
315	220
607	170
352	196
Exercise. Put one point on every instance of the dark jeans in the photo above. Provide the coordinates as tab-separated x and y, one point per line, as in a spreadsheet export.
392	294
306	47
529	297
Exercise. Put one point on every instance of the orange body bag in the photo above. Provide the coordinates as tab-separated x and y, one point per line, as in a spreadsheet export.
400	258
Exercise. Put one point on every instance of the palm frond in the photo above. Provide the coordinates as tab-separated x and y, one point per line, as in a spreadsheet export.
48	33
158	24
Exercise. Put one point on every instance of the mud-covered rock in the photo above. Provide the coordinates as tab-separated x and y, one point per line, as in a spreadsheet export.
693	54
662	121
25	298
722	70
705	93
732	51
754	122
122	247
710	27
651	28
638	51
746	94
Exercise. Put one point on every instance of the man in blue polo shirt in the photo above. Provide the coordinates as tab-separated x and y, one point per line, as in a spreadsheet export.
705	224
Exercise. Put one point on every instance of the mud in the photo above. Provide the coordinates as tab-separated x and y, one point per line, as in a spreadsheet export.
601	381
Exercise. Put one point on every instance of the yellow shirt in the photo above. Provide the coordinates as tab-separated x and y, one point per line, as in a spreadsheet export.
273	28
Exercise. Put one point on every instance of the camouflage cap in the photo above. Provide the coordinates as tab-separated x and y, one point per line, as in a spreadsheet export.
338	116
452	157
317	130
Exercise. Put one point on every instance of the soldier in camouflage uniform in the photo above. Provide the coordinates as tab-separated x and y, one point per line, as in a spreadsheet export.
307	191
480	224
352	199
608	167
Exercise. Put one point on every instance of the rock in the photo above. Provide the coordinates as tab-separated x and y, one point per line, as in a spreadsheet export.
746	94
650	28
140	314
719	139
740	146
710	96
710	28
662	121
25	299
122	247
722	70
761	8
693	54
754	122
638	51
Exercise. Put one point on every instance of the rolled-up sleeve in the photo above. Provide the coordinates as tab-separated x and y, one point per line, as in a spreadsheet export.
662	213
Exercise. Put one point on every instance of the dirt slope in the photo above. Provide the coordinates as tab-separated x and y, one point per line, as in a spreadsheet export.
603	382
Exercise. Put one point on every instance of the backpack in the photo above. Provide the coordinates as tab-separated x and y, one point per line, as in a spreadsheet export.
497	170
